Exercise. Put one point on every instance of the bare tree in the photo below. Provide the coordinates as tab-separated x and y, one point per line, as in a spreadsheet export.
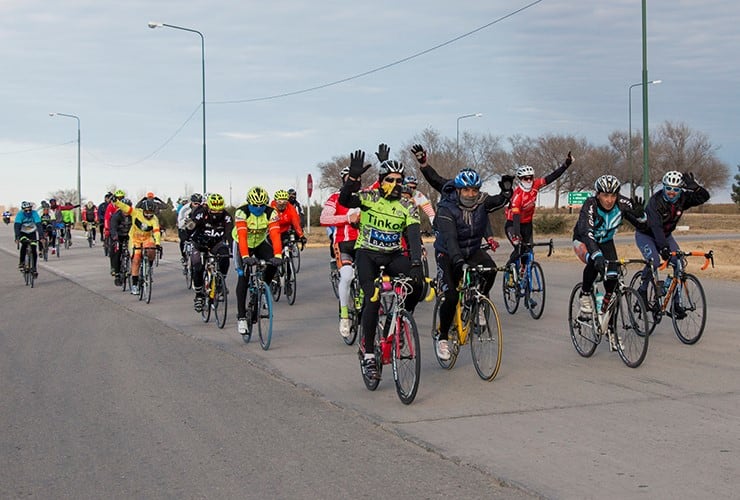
65	195
330	170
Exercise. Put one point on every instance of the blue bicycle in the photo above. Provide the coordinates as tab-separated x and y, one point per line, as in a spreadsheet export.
524	279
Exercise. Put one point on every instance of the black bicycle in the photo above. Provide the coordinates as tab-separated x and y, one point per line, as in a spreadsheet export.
259	305
29	274
217	295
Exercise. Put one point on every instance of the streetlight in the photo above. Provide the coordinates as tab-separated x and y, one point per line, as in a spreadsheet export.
457	139
154	25
79	187
629	156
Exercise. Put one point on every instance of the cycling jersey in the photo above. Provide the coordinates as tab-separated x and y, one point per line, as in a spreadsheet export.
27	224
596	226
251	230
663	216
210	228
524	202
142	229
337	215
288	218
421	201
89	214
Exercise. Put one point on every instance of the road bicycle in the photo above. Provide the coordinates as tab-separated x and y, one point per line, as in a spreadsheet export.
622	317
187	265
259	305
67	235
125	265
476	319
44	248
354	307
29	275
59	240
217	294
90	234
334	279
292	250
146	273
285	278
679	296
396	338
524	279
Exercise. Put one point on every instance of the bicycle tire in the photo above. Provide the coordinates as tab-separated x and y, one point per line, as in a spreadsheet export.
189	274
452	343
142	274
295	255
629	324
149	283
535	294
67	240
291	285
425	269
220	300
275	285
89	240
334	280
486	340
124	270
264	316
583	333
693	304
406	358
355	313
46	252
205	313
654	304
510	288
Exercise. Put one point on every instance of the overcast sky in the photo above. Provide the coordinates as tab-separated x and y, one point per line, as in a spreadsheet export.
558	67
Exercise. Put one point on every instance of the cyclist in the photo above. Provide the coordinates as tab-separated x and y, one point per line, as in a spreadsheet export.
101	214
27	226
520	210
120	227
144	233
68	218
158	203
664	209
111	209
6	216
384	217
460	225
593	236
254	222
288	219
419	199
90	217
183	215
345	222
292	198
210	227
48	226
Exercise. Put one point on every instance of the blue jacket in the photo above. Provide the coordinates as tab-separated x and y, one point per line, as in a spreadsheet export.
27	224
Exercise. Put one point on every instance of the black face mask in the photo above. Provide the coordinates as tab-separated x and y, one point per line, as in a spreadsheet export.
391	193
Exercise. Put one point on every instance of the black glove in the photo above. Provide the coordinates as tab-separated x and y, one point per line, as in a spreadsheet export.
689	182
419	153
303	241
638	210
506	183
599	263
276	261
568	159
383	152
250	261
417	272
665	253
357	165
159	249
457	268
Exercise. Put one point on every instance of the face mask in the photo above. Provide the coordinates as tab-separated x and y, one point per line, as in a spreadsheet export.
391	191
526	185
468	201
257	210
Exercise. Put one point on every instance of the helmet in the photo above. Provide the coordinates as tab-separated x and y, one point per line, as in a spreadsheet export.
468	178
258	196
607	184
410	179
524	171
215	202
108	195
26	205
344	172
148	205
90	204
120	193
291	192
196	198
281	195
150	195
52	201
673	179
390	166
44	204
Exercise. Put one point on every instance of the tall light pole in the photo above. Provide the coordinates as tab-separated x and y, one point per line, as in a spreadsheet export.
629	155
154	25
457	137
79	180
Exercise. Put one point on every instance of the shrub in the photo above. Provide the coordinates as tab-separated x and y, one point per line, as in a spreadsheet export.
549	224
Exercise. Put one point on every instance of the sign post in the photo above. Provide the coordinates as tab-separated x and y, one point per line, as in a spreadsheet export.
309	189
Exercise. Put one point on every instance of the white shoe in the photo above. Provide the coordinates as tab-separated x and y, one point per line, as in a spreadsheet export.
586	307
344	327
241	326
443	350
134	289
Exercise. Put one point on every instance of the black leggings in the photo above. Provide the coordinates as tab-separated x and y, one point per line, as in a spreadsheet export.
590	272
263	251
525	231
221	249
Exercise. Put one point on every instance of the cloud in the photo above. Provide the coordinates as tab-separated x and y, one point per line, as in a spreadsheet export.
268	135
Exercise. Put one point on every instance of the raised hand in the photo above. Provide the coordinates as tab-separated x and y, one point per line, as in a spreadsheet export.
357	165
383	152
420	154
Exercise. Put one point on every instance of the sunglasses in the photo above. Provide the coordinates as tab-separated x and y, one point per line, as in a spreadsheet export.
393	180
527	178
672	189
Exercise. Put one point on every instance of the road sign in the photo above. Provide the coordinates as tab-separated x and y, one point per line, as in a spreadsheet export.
578	197
309	185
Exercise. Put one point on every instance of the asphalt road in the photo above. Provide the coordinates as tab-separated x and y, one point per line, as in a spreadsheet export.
102	393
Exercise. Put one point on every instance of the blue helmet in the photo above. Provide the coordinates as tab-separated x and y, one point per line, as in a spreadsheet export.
468	178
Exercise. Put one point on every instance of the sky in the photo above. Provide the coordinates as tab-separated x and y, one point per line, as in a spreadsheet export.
555	66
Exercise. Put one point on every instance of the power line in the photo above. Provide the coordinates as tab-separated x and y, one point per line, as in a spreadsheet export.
385	66
36	149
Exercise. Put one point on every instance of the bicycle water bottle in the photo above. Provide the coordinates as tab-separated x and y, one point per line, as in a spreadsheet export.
386	285
667	284
385	349
359	298
599	297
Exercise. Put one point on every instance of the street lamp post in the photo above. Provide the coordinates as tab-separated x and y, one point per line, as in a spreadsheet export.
79	180
154	25
629	155
457	137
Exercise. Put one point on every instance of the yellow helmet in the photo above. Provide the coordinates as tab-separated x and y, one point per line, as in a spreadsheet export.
257	196
120	193
215	202
281	195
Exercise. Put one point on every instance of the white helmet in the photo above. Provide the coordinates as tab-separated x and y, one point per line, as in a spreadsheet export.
524	171
673	179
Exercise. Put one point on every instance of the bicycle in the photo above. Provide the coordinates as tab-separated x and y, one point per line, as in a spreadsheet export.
217	295
525	279
44	250
125	266
680	296
477	319
293	251
67	235
59	240
146	274
90	234
623	320
29	275
354	307
281	279
396	338
259	306
334	280
187	265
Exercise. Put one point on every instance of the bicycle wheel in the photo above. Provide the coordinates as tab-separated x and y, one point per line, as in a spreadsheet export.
654	313
486	339
188	272
689	310
148	282
354	308
58	248
275	286
334	279
205	313
511	289
45	252
142	277
629	324
67	239
452	343
295	256
425	268
291	284
535	292
220	300
583	331
124	271
406	358
264	316
89	239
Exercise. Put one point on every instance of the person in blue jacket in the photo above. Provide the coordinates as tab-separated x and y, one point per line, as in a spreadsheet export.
27	229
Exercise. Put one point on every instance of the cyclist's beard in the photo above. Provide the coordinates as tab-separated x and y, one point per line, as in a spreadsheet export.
391	191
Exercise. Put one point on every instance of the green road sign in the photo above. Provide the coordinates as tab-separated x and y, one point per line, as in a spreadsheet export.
577	197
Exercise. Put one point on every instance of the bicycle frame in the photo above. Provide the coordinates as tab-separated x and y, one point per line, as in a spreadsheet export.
679	273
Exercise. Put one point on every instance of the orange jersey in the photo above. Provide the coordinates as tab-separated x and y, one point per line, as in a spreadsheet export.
288	218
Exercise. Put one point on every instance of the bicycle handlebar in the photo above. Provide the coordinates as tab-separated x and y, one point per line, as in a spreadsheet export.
708	258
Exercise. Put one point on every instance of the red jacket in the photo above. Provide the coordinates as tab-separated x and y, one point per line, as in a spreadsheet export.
288	218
